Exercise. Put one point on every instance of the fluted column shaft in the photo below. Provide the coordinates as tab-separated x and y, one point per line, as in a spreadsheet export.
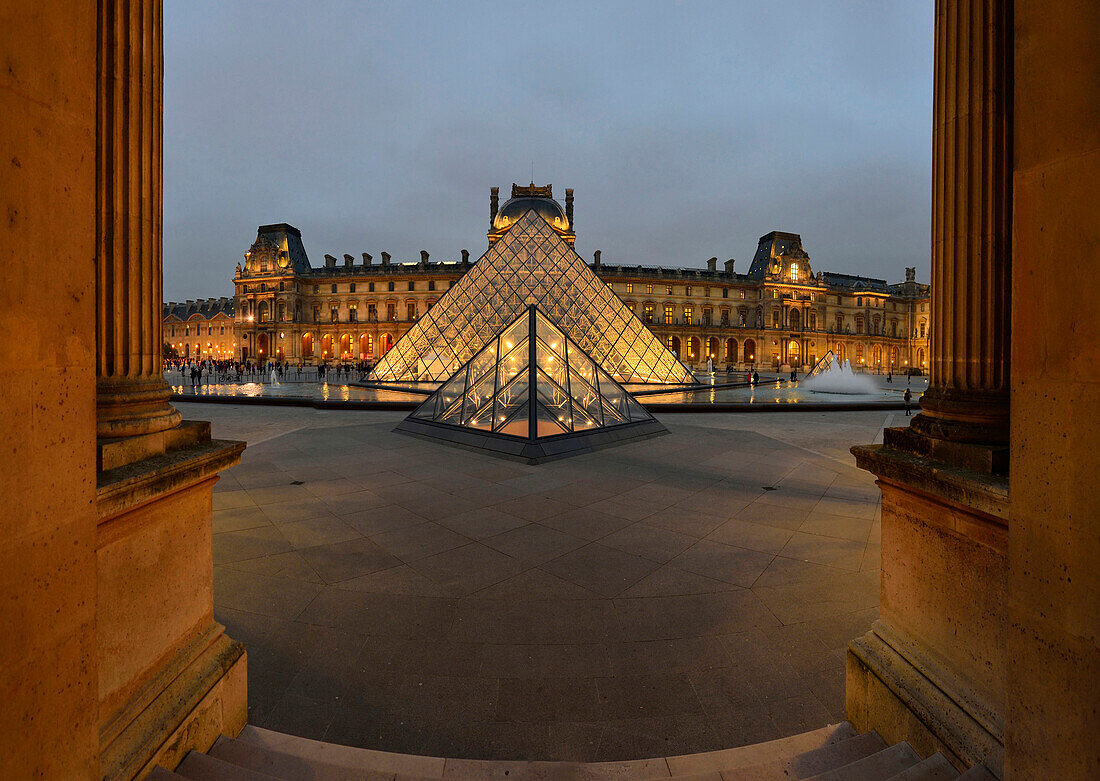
967	396
132	396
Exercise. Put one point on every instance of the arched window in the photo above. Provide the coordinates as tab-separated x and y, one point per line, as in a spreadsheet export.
859	353
750	350
307	345
876	356
731	351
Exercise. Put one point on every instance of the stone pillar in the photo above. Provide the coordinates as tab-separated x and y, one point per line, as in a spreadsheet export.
967	396
932	670
1054	578
131	393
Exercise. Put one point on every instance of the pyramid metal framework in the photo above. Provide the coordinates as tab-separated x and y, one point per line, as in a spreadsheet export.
531	393
530	264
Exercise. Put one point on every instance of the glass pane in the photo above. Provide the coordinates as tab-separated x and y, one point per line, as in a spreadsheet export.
546	423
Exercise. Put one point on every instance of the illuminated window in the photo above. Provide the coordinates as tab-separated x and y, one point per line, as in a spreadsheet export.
689	312
648	310
687	290
742	294
629	287
353	314
668	314
668	289
794	272
334	312
649	287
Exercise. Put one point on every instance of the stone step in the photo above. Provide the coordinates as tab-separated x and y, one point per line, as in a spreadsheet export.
201	767
880	766
977	773
344	756
811	763
759	753
935	768
286	766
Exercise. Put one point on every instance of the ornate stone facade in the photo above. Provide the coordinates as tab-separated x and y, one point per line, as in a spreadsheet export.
781	314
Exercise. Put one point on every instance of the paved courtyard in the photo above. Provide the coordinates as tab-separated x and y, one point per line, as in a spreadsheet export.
686	593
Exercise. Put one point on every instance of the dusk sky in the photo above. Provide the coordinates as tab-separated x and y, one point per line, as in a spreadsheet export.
687	129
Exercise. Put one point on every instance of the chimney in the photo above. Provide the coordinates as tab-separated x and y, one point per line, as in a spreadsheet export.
729	266
330	262
423	258
349	260
367	258
596	258
494	198
465	258
569	207
712	264
385	258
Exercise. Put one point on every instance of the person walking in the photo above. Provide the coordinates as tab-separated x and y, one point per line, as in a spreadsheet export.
755	377
908	401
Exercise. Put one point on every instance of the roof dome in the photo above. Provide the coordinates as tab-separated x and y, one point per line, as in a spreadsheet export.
547	208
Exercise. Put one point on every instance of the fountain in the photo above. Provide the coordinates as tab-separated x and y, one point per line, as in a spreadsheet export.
840	379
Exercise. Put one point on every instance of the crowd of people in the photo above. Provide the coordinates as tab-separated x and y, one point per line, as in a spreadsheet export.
210	371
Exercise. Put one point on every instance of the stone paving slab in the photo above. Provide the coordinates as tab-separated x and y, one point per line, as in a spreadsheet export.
689	593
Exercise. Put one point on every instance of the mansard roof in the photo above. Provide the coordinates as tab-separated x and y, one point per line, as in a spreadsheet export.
855	283
206	308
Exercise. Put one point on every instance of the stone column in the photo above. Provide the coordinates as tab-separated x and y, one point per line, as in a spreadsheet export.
131	393
967	397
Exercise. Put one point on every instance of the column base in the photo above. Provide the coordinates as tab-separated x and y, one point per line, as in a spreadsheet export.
199	695
129	407
979	417
890	691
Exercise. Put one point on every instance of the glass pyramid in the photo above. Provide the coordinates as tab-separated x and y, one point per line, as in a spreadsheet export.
534	393
530	265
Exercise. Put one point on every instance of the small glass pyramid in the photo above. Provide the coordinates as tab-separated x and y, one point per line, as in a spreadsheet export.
533	393
530	264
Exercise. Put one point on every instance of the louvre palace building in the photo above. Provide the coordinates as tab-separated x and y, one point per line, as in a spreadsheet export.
779	314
